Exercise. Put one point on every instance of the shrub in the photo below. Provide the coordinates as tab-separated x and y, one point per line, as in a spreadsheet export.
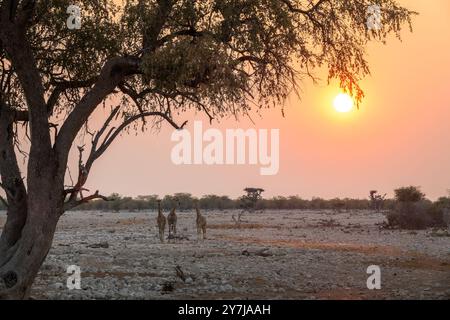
415	215
444	202
409	194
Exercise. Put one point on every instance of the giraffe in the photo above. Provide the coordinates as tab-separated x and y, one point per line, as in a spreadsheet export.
161	221
201	223
172	220
446	217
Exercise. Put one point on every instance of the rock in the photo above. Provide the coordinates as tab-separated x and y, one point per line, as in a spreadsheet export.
189	280
227	287
104	245
124	292
264	253
167	287
58	286
261	253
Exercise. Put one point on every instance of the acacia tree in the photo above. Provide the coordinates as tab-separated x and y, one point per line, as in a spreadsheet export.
144	62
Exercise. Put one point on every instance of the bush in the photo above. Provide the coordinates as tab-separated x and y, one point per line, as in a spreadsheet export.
444	202
415	215
409	194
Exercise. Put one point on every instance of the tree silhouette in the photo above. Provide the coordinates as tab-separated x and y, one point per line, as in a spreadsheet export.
376	200
150	60
251	197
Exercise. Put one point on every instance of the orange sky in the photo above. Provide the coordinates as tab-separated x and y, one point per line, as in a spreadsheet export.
400	136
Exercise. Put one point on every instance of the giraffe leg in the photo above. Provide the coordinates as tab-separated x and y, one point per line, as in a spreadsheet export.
204	232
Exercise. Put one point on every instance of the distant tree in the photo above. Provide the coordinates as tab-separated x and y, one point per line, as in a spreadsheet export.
444	202
115	200
409	194
319	203
295	202
153	59
413	211
338	205
216	202
251	197
376	200
184	200
148	202
248	202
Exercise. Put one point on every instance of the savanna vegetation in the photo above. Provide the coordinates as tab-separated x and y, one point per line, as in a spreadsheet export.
408	205
413	211
215	202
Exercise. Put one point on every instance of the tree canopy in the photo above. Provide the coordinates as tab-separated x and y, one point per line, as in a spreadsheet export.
219	56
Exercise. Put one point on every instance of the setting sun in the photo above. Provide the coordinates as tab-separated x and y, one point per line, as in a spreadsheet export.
343	103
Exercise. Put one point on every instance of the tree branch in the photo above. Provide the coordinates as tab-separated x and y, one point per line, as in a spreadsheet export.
306	12
15	41
61	86
113	72
73	204
126	123
153	29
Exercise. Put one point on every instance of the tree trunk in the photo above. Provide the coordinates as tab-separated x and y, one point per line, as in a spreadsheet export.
26	257
12	181
32	214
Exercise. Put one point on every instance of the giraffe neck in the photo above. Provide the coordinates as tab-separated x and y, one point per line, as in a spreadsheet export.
159	210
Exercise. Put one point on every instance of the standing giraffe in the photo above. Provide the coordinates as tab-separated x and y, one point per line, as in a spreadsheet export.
446	217
201	223
172	220
161	221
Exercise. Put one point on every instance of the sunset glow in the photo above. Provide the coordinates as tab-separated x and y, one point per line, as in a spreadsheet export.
343	103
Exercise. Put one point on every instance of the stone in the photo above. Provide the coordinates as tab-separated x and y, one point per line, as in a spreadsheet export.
104	245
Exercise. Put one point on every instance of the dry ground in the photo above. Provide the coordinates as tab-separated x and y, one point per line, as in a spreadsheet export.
275	255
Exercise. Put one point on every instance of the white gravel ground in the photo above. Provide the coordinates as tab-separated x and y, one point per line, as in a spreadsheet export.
274	255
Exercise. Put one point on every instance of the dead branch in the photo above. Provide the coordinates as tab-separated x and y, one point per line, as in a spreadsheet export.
180	273
114	133
72	204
